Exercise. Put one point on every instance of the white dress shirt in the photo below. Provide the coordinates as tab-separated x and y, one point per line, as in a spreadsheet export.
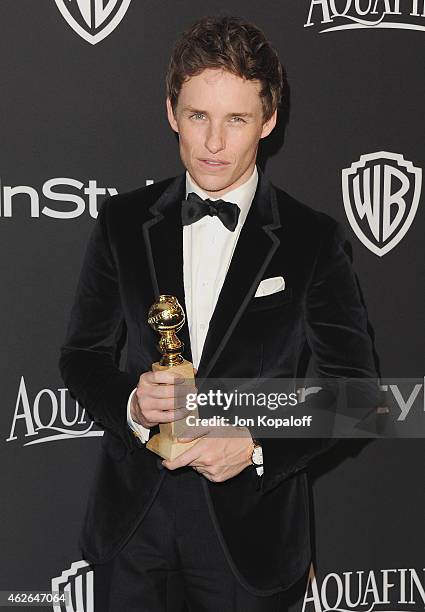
208	248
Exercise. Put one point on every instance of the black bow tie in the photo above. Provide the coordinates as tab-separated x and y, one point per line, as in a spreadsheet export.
194	208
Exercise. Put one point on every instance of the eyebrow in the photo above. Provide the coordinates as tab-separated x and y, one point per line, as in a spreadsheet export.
191	109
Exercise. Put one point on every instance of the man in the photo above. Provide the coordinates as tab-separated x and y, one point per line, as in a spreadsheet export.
264	280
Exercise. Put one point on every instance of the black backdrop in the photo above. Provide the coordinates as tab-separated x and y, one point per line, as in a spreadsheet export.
76	112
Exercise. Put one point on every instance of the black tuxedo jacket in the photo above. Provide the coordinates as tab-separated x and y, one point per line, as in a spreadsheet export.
135	253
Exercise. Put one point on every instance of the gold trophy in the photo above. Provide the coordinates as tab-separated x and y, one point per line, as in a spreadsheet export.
167	317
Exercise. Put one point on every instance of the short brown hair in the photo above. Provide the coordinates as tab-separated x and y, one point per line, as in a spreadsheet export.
227	43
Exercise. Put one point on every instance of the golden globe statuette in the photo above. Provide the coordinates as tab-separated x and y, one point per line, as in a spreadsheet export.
167	317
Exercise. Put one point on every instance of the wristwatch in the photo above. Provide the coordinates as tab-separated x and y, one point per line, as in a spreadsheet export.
257	454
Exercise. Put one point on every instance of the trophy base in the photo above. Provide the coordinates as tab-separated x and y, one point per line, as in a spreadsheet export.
167	448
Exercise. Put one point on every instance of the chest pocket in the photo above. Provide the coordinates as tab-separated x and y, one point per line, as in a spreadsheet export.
273	300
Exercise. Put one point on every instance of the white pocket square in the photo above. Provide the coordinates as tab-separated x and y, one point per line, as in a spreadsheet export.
270	285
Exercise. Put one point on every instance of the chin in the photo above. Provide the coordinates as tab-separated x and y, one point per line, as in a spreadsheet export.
209	183
212	187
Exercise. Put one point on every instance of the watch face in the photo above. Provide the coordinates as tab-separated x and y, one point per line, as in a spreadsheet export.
257	456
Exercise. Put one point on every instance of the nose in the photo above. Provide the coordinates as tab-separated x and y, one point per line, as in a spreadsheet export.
214	140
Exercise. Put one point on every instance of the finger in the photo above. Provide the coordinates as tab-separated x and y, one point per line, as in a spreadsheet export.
166	376
159	391
174	391
214	475
147	378
168	416
199	469
204	472
154	418
187	390
182	460
163	405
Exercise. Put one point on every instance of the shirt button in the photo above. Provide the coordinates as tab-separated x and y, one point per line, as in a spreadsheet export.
202	326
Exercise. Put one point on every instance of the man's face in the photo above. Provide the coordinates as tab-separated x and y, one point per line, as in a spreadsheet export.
219	120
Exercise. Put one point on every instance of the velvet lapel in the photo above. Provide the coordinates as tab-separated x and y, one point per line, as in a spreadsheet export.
254	249
163	236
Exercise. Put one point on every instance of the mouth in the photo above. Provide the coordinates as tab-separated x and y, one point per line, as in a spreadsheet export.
213	163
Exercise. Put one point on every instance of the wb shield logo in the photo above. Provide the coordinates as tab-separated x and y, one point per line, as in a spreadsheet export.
381	194
75	588
93	20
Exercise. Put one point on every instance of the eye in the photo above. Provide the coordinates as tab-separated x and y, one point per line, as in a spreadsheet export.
237	119
197	116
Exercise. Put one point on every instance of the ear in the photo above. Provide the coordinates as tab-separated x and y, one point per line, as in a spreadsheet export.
170	114
269	125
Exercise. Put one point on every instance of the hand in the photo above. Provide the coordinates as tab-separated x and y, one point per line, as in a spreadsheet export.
160	398
216	458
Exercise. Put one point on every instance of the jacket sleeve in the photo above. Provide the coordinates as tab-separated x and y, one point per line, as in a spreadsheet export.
342	351
90	354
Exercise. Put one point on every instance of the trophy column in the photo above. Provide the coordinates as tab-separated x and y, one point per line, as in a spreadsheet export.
167	317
